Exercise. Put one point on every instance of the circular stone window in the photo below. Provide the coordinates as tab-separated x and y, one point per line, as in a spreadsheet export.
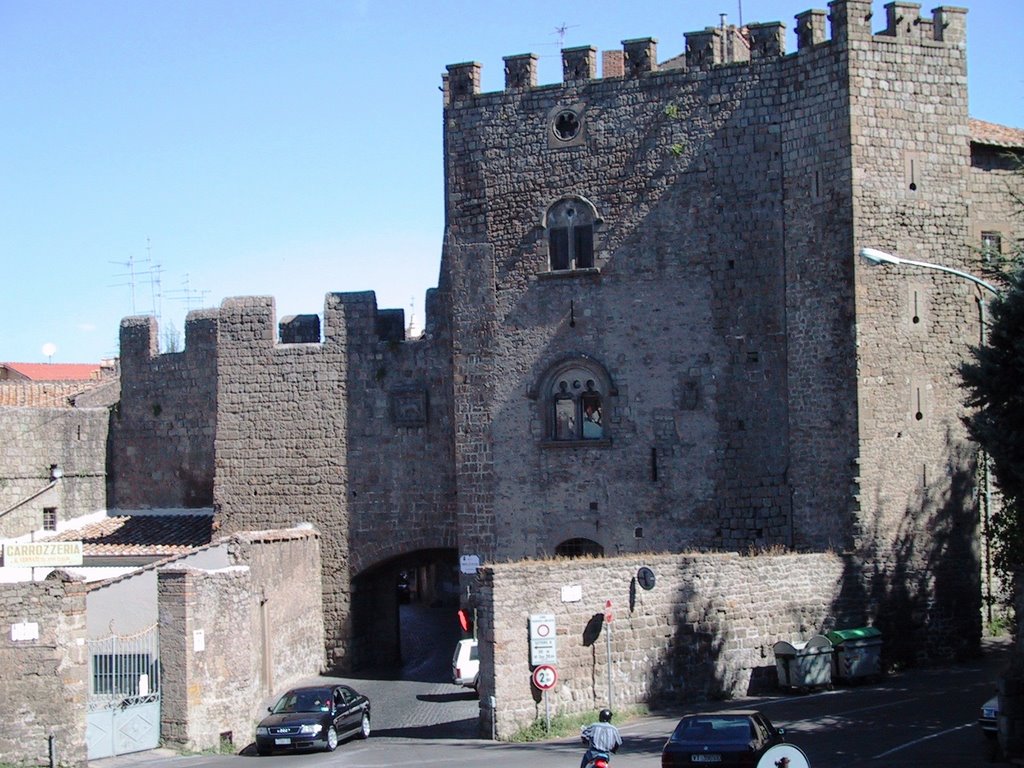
566	125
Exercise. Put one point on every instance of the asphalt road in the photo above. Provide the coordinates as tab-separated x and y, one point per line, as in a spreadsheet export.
921	717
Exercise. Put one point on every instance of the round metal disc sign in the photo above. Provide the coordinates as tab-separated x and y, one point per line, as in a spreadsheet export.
545	677
645	577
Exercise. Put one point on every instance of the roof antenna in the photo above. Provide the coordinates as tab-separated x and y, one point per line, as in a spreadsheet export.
561	30
739	4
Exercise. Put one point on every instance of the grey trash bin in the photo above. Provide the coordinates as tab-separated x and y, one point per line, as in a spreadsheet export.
804	664
857	653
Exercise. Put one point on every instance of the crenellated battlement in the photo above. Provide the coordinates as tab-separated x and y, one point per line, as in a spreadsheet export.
139	334
348	317
851	20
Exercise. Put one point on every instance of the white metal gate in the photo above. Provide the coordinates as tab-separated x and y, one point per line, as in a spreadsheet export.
124	694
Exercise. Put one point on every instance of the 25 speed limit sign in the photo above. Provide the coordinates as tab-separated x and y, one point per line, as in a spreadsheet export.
545	677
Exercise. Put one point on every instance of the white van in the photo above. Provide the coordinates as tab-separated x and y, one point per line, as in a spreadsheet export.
466	663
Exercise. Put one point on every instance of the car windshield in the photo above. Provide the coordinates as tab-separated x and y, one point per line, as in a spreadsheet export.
714	730
303	701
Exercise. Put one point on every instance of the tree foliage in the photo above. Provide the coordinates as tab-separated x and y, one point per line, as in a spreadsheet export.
994	380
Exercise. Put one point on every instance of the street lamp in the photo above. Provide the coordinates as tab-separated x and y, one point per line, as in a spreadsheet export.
876	257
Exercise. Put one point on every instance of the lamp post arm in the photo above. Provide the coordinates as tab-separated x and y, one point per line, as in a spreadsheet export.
881	257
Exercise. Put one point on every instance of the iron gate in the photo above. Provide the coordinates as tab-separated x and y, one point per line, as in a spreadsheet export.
124	694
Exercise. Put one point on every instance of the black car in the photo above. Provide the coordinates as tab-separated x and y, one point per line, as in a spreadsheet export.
316	716
732	738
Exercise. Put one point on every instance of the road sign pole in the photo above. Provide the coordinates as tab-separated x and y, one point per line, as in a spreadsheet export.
608	646
547	713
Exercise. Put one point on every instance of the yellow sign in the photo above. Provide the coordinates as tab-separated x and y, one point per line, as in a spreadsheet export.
42	553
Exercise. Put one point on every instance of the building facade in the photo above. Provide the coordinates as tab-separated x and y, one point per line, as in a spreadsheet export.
651	334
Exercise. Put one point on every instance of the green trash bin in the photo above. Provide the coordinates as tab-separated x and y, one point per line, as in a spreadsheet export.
804	664
857	653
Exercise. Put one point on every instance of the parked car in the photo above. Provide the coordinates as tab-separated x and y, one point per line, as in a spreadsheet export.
313	717
730	738
990	728
466	663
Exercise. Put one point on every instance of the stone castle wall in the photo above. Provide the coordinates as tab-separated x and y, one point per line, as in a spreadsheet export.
44	683
351	434
34	439
718	303
232	638
705	630
162	432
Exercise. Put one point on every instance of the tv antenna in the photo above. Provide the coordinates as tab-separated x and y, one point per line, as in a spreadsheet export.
561	30
192	297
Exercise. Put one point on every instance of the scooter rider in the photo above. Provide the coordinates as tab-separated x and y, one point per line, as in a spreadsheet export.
602	738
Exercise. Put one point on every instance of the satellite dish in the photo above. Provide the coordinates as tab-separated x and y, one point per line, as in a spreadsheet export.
783	756
49	349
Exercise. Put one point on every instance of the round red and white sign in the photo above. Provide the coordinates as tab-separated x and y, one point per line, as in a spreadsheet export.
545	677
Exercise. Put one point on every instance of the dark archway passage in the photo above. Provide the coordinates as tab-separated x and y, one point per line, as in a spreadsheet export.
404	615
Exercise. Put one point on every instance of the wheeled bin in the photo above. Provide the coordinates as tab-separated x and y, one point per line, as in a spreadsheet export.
857	653
804	664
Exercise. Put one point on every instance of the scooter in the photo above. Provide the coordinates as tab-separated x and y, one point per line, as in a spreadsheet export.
600	759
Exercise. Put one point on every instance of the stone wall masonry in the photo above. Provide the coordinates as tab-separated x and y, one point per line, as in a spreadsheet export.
352	435
44	683
233	637
34	439
705	630
688	172
917	501
163	430
210	657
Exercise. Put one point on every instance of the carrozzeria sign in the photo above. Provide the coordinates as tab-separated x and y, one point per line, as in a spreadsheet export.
38	553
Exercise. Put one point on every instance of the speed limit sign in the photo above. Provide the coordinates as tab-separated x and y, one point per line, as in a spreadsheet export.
545	677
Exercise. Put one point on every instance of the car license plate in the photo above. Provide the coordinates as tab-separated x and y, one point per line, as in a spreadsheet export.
706	758
282	741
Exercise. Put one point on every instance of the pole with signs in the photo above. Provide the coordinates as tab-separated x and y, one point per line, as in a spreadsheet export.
608	646
544	678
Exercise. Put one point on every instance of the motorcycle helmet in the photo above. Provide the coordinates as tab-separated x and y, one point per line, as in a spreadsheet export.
605	716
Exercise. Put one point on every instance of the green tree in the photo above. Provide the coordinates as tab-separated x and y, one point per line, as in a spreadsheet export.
994	380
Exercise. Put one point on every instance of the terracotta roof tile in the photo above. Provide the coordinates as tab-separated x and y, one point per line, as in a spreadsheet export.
55	371
996	135
142	535
37	394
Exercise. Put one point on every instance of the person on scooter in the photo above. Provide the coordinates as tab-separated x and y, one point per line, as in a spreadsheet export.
602	738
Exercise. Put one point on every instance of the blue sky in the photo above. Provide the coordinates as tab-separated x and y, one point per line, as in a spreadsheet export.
287	148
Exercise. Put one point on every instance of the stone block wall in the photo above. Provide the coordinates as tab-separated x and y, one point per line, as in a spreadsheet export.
705	630
916	519
163	429
352	435
44	683
720	303
231	637
34	439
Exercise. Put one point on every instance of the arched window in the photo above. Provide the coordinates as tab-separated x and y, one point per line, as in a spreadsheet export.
579	548
575	394
570	224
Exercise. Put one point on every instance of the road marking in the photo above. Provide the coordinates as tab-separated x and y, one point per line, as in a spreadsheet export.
924	738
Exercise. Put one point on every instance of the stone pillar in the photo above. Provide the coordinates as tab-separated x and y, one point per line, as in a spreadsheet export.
810	28
521	72
641	55
579	64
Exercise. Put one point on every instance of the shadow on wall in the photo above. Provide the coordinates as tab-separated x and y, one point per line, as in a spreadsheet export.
919	577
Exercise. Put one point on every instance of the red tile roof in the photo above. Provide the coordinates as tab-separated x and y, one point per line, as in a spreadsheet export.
996	135
39	394
53	371
142	535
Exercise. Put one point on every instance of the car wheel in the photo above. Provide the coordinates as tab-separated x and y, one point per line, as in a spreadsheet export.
262	751
332	739
364	726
